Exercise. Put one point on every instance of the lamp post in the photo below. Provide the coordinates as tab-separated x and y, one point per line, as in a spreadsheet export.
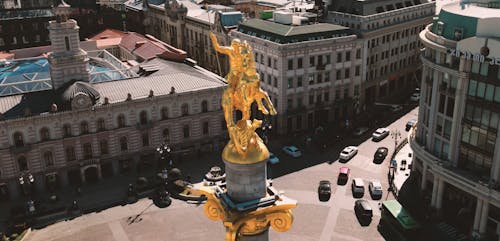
266	127
396	134
26	180
165	155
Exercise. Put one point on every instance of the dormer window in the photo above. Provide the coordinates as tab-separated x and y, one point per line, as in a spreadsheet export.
458	33
439	28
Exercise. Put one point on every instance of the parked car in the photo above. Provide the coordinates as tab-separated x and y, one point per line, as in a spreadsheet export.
343	175
415	97
273	159
363	210
360	131
396	108
410	124
358	187
292	151
348	153
380	134
403	165
375	188
324	190
380	155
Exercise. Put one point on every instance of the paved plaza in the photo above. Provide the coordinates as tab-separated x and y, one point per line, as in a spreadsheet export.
298	178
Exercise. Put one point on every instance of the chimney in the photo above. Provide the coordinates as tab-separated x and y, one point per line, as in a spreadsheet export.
53	107
106	101
151	94
129	97
139	43
172	90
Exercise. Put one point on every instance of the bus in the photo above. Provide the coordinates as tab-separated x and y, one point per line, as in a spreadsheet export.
397	224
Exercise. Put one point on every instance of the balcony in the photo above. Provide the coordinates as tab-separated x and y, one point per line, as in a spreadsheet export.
88	162
459	178
20	149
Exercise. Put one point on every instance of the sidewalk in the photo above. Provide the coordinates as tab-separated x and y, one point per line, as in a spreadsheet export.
401	175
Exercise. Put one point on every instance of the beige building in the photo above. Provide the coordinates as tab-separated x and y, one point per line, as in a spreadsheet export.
389	30
311	72
78	131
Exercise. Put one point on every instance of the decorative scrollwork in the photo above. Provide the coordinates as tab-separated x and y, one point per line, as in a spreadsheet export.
214	211
281	221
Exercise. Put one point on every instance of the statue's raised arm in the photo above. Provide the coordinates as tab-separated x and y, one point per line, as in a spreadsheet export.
221	49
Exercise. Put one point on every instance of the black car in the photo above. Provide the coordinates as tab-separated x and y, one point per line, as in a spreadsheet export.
324	190
380	155
410	124
363	211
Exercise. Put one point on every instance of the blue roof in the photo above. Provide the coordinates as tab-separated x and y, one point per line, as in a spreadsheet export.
230	19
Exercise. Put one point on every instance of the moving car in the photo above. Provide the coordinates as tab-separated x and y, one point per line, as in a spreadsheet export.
415	97
396	108
292	151
358	187
380	155
380	134
324	190
375	188
363	210
410	124
360	131
343	175
273	159
348	153
403	165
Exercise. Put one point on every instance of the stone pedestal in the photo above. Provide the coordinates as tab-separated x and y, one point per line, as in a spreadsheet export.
246	182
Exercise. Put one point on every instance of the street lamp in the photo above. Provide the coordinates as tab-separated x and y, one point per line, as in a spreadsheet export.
165	154
266	127
396	134
26	180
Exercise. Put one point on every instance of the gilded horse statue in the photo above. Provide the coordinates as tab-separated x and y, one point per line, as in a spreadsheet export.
243	89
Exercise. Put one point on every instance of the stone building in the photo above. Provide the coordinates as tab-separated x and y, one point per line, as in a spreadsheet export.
389	30
83	128
312	72
456	144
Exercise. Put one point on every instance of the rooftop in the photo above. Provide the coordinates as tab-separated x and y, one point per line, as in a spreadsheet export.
282	33
25	13
471	10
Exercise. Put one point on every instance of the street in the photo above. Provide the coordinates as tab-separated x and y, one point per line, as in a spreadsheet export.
297	177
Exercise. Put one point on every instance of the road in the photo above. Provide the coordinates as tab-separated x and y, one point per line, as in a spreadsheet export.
297	177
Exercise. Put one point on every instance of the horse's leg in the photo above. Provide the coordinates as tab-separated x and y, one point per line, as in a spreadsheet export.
227	107
263	95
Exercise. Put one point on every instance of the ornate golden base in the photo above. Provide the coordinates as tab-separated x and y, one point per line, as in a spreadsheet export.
245	146
278	216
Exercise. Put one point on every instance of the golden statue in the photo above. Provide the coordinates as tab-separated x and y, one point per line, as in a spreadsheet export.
245	146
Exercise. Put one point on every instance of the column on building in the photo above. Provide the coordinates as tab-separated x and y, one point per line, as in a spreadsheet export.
484	217
458	112
423	185
435	185
477	215
439	196
495	169
433	109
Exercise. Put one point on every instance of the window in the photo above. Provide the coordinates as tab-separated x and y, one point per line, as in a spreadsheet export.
66	42
327	76
358	53
123	144
18	139
328	59
205	128
299	63
338	75
101	126
44	134
268	61
347	71
143	117
311	99
290	83
275	63
204	106
311	79
357	70
87	151
22	164
145	139
14	40
48	158
185	131
339	57
84	127
348	56
166	135
164	113
121	121
185	109
326	96
66	130
70	154
299	83
311	61
275	81
103	145
289	103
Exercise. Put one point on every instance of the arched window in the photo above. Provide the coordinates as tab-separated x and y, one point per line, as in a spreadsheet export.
67	130
166	135
101	125
205	128
123	144
204	106
84	127
87	151
18	139
48	158
145	139
121	121
44	134
185	130
103	144
164	113
185	109
70	154
143	117
22	163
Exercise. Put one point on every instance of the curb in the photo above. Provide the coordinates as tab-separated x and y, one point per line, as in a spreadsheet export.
26	235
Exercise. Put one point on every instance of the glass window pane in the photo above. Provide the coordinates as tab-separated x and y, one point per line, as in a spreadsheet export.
472	87
473	137
497	93
475	67
477	115
465	134
489	92
485	118
484	69
469	110
437	147
447	128
494	120
481	89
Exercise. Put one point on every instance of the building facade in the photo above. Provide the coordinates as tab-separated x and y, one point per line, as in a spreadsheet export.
311	72
81	131
456	142
389	30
